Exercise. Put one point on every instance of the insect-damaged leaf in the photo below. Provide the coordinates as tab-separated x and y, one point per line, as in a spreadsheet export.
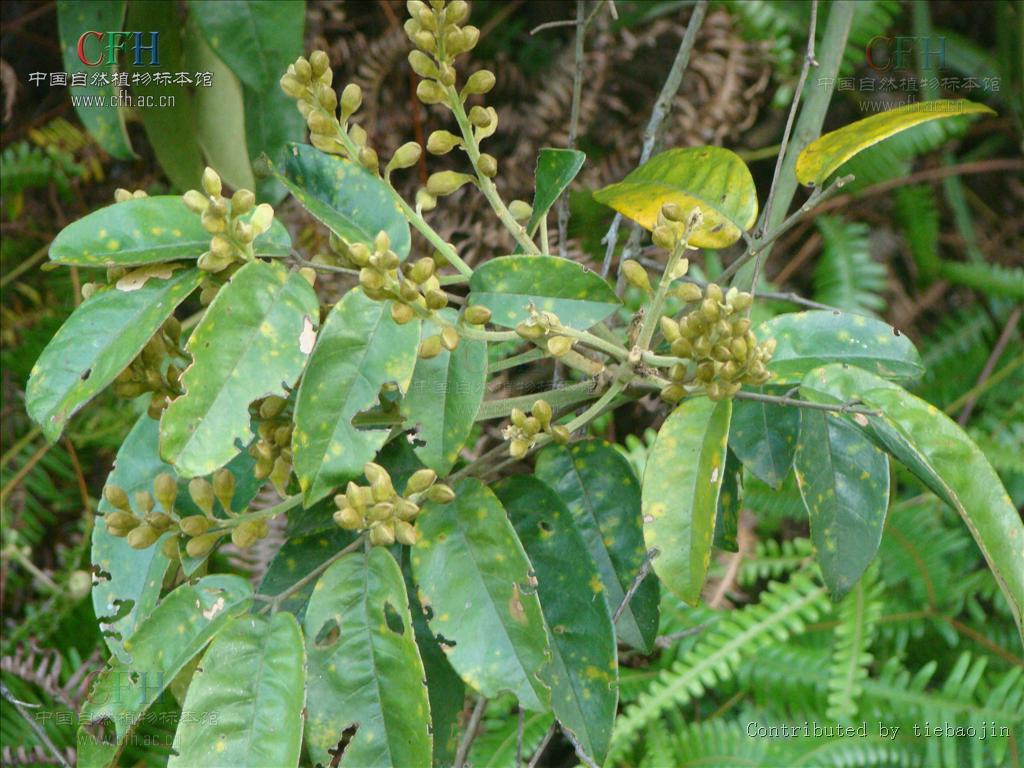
598	486
556	168
584	669
148	230
844	482
474	581
359	350
714	179
823	156
508	286
682	481
96	343
252	342
259	715
364	667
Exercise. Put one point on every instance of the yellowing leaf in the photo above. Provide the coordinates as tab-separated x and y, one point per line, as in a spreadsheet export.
822	157
711	178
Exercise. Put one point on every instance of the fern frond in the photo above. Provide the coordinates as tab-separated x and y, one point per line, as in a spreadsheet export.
719	744
846	276
917	212
788	682
858	613
773	506
783	611
869	752
955	353
772	559
991	279
495	747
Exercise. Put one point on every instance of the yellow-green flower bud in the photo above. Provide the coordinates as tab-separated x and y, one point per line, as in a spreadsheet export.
517	417
121	520
202	494
245	534
488	165
368	159
420	481
689	292
224	487
406	510
201	546
429	92
382	534
196	201
406	155
559	345
402	313
530	331
303	70
520	210
479	117
211	182
669	328
262	218
518	447
142	537
445	182
442	142
439	493
143	502
213	222
424	40
327	99
560	434
479	82
349	519
430	347
405	533
477	314
456	12
292	86
170	548
351	100
436	299
319	63
422	64
636	275
742	301
673	393
242	202
450	338
194	525
541	410
664	237
673	212
116	497
424	200
165	488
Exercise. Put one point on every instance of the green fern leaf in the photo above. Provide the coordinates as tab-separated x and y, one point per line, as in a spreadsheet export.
917	213
846	276
992	279
858	614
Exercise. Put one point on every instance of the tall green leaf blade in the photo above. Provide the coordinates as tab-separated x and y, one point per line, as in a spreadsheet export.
763	436
844	482
807	340
301	555
730	503
473	580
444	397
601	491
344	196
148	230
192	614
364	668
360	349
102	336
508	286
556	168
252	342
259	714
712	178
944	458
105	124
681	485
584	666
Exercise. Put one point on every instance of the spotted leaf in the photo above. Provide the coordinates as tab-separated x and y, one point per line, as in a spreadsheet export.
510	284
364	668
102	336
583	674
475	584
359	350
601	491
806	340
682	481
247	346
300	555
147	230
763	436
844	482
712	178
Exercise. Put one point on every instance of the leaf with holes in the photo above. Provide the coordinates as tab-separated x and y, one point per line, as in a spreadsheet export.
943	457
147	230
823	156
763	436
556	168
844	482
584	669
509	285
364	668
259	717
444	397
682	482
347	198
192	614
360	349
807	340
474	581
713	179
601	491
252	342
96	343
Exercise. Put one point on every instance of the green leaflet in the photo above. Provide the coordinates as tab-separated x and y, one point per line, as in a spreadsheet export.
763	436
584	665
806	340
714	179
96	343
347	198
844	482
508	286
682	481
364	667
730	503
259	714
192	614
944	458
252	342
598	486
556	168
474	583
299	556
105	124
360	348
148	230
444	397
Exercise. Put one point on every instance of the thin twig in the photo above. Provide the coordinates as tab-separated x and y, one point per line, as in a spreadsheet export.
276	600
574	124
667	641
472	728
659	114
645	568
848	407
581	753
542	746
990	364
36	728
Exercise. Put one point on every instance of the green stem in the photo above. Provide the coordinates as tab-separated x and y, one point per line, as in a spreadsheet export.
479	334
511	362
653	316
594	342
276	600
556	398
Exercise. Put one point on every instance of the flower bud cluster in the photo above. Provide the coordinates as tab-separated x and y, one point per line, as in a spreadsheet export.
122	195
234	224
273	448
524	430
543	330
381	511
148	372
